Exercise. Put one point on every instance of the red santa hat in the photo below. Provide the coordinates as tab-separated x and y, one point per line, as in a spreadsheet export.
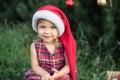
56	16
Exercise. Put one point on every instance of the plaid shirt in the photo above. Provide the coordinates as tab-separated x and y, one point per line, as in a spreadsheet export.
48	60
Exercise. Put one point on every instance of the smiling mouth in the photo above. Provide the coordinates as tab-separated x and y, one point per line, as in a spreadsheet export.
47	37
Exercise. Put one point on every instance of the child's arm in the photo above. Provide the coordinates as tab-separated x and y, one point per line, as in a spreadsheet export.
64	71
35	65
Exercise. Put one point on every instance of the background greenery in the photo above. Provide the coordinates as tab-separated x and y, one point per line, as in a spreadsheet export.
96	29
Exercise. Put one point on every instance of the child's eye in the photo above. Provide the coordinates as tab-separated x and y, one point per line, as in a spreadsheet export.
41	27
53	27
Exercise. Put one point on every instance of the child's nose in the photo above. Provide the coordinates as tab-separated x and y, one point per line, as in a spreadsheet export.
47	30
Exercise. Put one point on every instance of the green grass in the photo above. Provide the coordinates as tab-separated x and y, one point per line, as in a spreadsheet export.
14	51
15	56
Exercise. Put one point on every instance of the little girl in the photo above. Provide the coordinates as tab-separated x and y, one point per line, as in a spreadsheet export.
53	55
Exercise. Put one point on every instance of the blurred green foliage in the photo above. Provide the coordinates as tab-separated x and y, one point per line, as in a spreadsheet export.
14	51
96	29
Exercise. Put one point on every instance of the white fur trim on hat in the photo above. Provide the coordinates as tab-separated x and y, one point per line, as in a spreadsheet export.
50	16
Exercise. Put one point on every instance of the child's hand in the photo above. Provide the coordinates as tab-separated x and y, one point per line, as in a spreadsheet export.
46	76
55	75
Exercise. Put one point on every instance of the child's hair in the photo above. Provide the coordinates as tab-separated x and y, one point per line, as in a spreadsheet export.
40	21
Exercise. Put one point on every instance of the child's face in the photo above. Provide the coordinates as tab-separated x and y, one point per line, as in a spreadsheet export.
47	31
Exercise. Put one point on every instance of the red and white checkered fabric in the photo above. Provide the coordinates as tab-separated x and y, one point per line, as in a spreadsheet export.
48	61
